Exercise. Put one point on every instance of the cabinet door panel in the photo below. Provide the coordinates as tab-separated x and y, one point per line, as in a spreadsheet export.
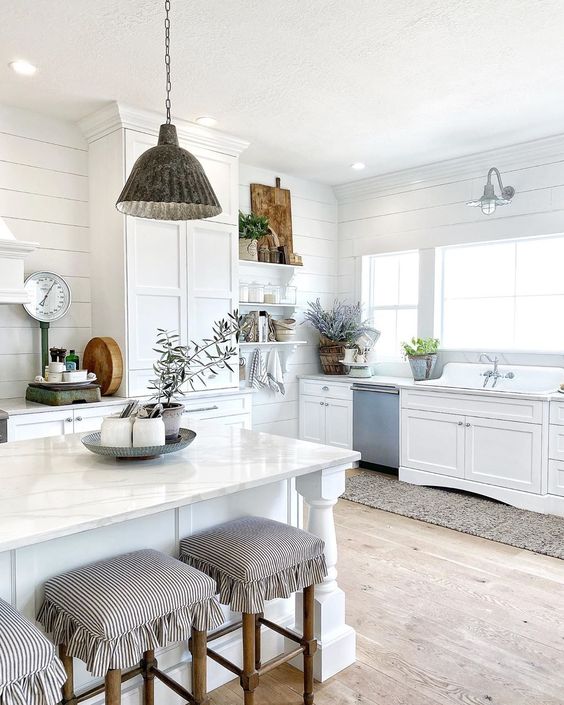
433	442
41	425
504	453
212	285
312	419
338	423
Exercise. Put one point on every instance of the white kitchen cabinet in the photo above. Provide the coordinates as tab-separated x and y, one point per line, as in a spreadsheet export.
433	442
57	422
146	274
326	413
504	453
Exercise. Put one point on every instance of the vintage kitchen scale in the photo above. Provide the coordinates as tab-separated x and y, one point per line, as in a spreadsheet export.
50	300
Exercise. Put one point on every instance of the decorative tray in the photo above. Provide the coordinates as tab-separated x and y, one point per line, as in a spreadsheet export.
92	442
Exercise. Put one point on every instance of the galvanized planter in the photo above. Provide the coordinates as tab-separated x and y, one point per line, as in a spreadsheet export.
422	366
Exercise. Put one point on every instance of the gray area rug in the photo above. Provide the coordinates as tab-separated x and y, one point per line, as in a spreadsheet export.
478	516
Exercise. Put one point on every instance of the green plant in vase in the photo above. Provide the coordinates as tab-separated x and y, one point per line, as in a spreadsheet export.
421	354
252	228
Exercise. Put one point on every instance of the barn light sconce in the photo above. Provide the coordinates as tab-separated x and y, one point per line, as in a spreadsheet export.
490	201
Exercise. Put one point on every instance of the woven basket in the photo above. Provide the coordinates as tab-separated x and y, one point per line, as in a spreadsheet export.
329	356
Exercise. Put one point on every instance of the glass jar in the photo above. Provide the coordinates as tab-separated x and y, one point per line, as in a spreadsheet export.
263	254
243	292
288	295
271	294
256	293
275	255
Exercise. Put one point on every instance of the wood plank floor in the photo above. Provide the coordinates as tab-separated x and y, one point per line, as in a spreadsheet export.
441	617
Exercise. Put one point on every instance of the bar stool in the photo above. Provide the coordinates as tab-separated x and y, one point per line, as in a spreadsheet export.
30	672
113	614
254	560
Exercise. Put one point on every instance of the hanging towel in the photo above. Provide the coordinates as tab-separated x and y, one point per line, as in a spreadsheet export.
274	373
257	371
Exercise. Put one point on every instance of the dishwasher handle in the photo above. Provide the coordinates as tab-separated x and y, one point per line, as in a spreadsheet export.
374	388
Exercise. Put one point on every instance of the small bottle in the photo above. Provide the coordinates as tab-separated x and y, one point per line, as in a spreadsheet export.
71	361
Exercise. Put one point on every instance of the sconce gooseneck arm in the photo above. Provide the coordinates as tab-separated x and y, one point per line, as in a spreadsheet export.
495	171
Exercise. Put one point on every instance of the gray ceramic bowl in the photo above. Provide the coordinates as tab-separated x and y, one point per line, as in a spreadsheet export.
92	442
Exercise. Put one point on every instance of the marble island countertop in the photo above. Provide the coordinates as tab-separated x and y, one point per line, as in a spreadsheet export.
53	487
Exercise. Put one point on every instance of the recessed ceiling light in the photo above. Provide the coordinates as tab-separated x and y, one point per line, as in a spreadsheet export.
206	121
358	166
24	68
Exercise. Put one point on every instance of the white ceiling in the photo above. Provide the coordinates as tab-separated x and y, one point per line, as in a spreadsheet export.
314	84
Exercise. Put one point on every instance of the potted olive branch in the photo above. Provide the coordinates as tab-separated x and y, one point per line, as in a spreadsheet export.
421	354
252	228
181	366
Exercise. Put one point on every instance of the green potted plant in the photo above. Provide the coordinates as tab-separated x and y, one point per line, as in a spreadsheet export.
251	229
181	366
422	356
339	328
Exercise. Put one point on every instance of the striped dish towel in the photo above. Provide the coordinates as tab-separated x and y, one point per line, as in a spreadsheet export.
257	371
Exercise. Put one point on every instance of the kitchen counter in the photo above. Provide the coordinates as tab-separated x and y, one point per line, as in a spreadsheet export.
19	405
409	383
62	506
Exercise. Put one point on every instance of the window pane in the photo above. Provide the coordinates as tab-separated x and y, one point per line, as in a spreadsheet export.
539	266
479	270
537	323
409	279
385	280
407	327
478	323
385	322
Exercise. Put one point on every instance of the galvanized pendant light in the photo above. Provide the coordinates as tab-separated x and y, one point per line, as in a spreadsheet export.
167	182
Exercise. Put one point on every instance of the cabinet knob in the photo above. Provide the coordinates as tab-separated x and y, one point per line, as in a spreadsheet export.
325	388
467	425
326	404
78	418
68	419
322	403
460	423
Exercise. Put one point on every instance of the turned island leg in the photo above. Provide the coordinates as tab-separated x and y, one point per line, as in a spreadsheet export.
336	640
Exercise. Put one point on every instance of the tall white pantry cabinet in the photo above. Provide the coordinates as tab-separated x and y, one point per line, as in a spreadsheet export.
149	274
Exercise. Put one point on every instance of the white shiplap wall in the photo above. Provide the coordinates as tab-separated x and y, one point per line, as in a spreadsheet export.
314	217
425	208
43	198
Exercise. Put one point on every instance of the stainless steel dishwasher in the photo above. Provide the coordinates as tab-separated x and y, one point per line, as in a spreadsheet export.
376	425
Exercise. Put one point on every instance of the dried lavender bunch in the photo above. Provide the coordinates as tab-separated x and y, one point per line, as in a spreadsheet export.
341	324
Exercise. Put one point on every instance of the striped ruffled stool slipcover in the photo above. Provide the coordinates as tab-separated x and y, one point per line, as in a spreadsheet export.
30	672
114	613
253	560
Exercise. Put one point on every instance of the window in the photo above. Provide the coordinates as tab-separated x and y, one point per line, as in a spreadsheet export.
504	295
390	288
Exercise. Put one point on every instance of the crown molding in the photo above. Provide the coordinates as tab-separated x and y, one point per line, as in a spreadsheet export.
116	116
16	249
518	156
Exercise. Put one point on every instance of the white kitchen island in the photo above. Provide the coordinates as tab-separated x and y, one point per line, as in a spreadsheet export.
62	507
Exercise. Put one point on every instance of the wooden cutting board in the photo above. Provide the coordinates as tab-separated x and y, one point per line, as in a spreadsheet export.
276	204
103	357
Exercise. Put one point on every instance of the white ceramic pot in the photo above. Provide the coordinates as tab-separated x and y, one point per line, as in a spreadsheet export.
57	367
116	432
75	376
350	354
248	250
148	432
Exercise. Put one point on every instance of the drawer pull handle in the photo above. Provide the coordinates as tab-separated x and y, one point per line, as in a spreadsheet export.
78	418
325	388
467	425
204	408
460	423
68	419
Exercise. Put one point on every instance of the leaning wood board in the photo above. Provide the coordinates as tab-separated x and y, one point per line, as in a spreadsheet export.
276	204
103	357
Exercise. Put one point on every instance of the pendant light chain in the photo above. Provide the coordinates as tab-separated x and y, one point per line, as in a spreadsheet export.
167	60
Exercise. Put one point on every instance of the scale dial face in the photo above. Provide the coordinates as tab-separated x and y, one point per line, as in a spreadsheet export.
50	296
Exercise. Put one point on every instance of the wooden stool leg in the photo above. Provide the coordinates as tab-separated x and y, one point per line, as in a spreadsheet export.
249	677
148	678
258	655
308	637
68	687
113	687
198	648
